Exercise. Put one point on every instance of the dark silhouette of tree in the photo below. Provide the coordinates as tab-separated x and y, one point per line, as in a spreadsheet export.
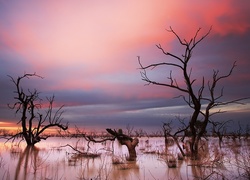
219	129
187	86
34	123
167	130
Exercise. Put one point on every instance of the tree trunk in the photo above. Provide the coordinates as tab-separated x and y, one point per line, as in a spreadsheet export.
195	154
193	143
131	148
220	140
129	142
178	144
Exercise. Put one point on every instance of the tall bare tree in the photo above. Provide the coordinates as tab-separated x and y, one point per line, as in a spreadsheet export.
34	123
187	86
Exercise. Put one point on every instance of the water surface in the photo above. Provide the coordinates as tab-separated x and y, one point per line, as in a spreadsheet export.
51	159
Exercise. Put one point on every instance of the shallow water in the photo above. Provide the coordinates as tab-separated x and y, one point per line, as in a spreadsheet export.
49	160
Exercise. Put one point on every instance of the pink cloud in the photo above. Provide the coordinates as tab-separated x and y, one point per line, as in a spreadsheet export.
225	16
98	38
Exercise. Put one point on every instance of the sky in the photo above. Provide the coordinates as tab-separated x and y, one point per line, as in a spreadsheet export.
87	53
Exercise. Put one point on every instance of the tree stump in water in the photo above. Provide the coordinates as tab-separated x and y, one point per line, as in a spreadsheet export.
129	142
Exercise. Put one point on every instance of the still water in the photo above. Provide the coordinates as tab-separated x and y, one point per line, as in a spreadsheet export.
52	160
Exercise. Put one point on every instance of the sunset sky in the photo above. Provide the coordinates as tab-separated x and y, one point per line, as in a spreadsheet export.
87	53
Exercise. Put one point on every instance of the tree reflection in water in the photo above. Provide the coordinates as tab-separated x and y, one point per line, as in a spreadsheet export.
47	161
29	162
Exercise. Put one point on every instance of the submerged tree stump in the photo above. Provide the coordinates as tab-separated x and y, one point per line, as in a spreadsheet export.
129	142
171	161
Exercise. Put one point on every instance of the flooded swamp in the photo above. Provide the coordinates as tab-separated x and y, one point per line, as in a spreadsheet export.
55	159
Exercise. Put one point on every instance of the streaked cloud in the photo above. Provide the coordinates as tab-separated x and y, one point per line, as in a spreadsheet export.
87	51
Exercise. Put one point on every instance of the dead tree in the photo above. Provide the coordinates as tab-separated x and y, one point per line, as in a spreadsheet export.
127	141
219	129
167	130
122	138
247	131
33	123
191	92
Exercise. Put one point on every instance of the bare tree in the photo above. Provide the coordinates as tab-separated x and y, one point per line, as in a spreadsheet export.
219	129
140	132
237	133
193	96
34	123
247	131
129	129
167	133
